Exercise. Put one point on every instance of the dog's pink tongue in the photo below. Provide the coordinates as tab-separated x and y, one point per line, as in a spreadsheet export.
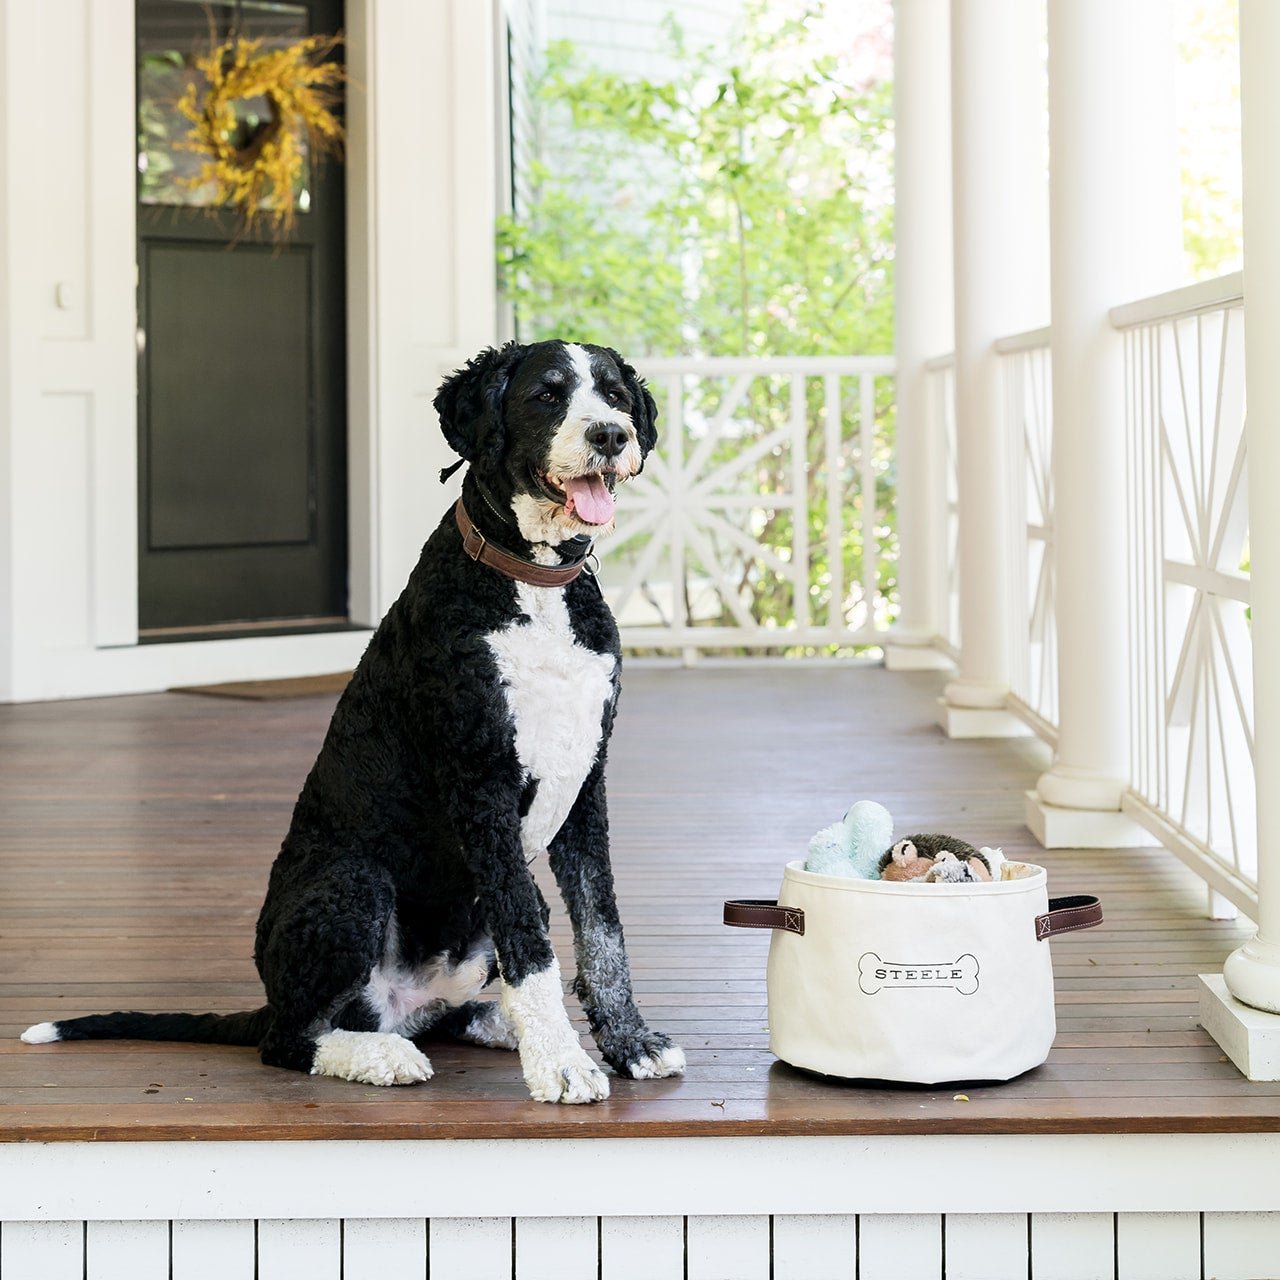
589	499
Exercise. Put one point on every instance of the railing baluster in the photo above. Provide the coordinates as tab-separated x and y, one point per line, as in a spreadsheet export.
835	505
870	540
800	500
679	494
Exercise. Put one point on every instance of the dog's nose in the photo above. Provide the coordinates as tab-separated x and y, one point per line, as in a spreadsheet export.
607	438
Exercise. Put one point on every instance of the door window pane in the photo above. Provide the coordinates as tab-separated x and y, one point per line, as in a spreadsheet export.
172	34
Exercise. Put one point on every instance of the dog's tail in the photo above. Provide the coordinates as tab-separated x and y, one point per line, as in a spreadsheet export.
194	1028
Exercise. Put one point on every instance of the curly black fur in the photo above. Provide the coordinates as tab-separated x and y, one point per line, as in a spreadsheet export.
406	837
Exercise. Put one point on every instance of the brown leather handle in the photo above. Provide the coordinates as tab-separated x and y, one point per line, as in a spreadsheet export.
1080	911
763	913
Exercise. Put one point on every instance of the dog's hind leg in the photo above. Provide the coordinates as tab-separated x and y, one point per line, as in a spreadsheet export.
315	955
579	854
480	1022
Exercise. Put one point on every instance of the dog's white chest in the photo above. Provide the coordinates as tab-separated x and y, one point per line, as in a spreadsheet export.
556	691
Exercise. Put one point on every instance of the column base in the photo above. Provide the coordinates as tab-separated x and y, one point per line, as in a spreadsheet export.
1249	1037
916	657
1058	828
1252	974
979	722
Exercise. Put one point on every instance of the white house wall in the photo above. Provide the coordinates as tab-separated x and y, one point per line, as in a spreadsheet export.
68	428
421	191
430	206
632	39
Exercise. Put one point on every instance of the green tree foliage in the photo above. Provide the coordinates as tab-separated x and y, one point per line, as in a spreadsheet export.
742	208
1207	87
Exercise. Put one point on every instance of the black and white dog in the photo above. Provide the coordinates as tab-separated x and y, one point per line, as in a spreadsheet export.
470	740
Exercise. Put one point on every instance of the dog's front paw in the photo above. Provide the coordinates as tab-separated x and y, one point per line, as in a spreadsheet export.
570	1077
652	1056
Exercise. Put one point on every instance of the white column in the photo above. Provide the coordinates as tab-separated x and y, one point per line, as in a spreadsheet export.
1001	283
1115	234
923	308
423	269
1252	974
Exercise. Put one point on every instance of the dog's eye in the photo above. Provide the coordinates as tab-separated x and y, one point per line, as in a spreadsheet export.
548	395
613	395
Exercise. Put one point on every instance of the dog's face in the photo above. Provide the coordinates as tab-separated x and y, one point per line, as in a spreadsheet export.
550	429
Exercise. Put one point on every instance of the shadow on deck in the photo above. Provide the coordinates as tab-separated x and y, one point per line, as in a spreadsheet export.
136	834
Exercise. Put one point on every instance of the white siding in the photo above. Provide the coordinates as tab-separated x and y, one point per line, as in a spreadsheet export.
632	39
1237	1246
216	1249
986	1246
470	1248
810	1248
383	1248
1073	1246
1158	1246
900	1246
42	1250
299	1249
126	1250
557	1248
727	1248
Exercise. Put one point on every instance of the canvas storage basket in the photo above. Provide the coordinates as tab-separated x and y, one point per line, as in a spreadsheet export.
922	983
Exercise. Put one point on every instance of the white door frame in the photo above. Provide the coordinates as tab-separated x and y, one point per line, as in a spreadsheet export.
421	198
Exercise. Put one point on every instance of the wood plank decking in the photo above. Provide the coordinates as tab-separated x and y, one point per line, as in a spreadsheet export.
136	833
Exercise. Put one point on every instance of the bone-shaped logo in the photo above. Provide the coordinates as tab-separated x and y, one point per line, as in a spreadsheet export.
874	974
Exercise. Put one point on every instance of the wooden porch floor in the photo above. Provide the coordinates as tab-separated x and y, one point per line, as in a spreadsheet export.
136	834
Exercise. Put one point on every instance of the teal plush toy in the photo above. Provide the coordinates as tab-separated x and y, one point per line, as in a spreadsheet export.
852	846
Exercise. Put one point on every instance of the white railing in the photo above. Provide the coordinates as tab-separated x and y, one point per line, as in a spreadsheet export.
1191	651
1033	648
941	374
764	518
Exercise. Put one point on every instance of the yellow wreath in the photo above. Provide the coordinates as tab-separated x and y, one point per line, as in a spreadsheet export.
300	88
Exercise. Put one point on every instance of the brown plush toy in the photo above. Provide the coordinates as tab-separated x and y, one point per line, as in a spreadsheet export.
913	858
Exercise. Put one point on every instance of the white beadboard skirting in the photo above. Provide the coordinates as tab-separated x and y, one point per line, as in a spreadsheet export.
605	1177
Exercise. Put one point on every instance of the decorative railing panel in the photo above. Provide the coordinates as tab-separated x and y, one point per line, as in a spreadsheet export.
1027	372
765	517
1191	649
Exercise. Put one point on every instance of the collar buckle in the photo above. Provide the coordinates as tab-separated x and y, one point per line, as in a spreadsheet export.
473	543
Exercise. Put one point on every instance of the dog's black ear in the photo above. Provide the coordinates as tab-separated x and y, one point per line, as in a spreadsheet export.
469	402
644	413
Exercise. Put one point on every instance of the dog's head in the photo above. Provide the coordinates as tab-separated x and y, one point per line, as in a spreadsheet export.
550	429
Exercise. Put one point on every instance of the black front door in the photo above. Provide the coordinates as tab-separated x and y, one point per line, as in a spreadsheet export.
242	356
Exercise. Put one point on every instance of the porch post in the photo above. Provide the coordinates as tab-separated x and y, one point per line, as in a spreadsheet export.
1000	227
1115	233
1252	974
923	309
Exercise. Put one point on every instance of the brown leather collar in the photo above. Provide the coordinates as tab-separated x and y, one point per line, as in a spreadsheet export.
478	547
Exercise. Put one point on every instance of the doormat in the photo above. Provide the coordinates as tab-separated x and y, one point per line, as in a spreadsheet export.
269	690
